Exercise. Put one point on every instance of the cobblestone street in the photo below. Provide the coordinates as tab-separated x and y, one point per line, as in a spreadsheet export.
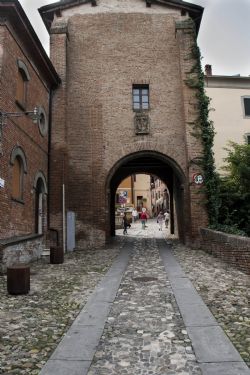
144	331
32	325
226	292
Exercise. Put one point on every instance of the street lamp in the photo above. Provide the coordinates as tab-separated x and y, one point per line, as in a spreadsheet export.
34	115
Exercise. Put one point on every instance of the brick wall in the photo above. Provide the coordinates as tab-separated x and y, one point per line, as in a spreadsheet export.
19	218
232	249
99	57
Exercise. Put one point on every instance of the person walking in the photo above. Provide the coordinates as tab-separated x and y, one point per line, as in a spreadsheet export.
166	215
125	223
134	215
160	219
143	219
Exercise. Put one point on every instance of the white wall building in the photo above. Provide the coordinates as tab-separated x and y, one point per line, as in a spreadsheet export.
230	111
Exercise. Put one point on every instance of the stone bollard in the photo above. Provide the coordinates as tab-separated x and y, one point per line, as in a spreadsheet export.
18	279
56	255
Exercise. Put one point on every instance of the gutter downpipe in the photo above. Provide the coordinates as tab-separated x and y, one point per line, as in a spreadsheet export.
63	212
49	153
64	221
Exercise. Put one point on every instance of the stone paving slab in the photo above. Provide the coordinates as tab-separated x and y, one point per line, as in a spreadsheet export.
197	315
78	344
186	296
66	367
212	345
229	368
93	314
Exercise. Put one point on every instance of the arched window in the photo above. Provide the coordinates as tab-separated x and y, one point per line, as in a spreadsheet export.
22	83
18	162
40	188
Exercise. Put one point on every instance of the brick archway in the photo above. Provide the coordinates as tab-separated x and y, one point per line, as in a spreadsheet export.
151	162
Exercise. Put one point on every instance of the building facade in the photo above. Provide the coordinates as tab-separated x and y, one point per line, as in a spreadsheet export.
159	196
124	107
230	111
27	78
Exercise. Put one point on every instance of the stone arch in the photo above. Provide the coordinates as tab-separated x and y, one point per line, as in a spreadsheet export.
18	152
150	162
40	175
22	67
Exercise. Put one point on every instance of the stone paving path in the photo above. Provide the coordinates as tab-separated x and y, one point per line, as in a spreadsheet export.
31	326
144	332
224	289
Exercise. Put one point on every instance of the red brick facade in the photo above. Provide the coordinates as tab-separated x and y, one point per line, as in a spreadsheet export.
232	249
99	55
20	50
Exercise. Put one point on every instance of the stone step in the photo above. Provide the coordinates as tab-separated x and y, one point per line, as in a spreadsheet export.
46	252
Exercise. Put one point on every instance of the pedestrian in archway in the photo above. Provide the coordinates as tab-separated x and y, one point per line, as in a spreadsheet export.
143	219
160	220
134	215
126	223
166	215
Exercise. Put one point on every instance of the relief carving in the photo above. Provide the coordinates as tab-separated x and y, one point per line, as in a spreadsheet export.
142	123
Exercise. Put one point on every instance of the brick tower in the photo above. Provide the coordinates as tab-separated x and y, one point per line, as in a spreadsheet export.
123	107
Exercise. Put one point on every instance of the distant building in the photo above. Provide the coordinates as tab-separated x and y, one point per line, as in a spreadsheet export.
124	192
230	111
27	78
135	191
160	195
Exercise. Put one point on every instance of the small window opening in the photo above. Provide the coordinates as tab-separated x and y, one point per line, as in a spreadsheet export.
140	97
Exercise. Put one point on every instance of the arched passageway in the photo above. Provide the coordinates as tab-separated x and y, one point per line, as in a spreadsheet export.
163	167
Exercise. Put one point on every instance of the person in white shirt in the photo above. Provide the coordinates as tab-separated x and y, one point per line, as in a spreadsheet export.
166	214
160	220
134	215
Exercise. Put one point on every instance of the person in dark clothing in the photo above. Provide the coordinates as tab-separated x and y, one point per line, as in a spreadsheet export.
125	223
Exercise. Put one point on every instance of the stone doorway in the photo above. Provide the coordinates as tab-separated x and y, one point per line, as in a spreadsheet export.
166	169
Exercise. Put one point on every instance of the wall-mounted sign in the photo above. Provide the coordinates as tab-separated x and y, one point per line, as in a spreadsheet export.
2	182
123	196
122	200
123	193
198	179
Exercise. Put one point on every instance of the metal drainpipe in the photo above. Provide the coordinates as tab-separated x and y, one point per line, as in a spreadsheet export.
64	221
49	153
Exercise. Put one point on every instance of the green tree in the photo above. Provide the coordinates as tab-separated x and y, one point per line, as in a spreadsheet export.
234	210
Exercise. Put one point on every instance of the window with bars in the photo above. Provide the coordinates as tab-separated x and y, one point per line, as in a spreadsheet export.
140	97
246	106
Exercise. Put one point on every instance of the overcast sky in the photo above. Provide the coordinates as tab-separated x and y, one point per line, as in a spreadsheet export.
224	36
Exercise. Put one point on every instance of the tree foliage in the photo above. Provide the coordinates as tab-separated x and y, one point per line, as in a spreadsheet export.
234	210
